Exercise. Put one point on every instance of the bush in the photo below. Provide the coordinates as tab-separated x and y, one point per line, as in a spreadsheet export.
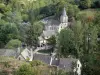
36	63
25	70
14	43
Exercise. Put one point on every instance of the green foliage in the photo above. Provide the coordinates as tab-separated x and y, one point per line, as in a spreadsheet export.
8	31
97	21
52	40
36	63
85	4
66	42
15	43
6	64
25	17
62	72
32	34
19	21
86	16
91	64
78	37
72	10
25	70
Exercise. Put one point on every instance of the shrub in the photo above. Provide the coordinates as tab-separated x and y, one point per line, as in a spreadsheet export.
14	43
25	70
36	63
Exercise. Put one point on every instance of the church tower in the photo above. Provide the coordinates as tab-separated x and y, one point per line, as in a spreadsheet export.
64	17
63	20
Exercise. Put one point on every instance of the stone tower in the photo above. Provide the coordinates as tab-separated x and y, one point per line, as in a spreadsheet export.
64	17
63	20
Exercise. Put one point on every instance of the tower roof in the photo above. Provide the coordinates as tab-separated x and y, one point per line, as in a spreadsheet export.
64	17
64	12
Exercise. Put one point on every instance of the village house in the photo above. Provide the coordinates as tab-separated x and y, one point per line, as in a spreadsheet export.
69	64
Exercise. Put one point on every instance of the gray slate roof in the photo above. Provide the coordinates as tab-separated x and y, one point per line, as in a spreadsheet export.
64	12
49	33
66	63
55	62
43	58
53	22
7	52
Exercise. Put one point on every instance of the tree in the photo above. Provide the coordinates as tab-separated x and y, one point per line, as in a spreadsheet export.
25	70
86	17
52	40
36	63
8	31
78	38
33	33
96	4
89	48
59	7
15	43
72	10
97	22
66	42
85	4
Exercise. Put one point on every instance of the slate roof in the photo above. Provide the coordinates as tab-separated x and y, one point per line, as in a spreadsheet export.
55	62
2	51
45	20
43	58
7	52
66	63
63	63
49	33
53	22
64	12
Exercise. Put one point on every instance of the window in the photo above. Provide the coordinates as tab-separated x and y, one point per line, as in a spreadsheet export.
78	65
50	28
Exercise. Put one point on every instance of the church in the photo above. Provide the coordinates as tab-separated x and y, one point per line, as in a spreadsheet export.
52	26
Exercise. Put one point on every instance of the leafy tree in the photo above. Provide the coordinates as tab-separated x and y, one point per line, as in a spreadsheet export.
96	4
66	42
97	22
89	48
90	38
86	17
25	70
85	4
59	7
52	40
15	43
72	10
8	31
78	37
32	34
